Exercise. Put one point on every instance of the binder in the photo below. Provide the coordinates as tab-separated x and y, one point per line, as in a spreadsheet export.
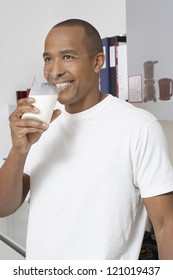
121	68
114	42
104	72
112	62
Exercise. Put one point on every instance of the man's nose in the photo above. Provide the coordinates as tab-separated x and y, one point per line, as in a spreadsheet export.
57	69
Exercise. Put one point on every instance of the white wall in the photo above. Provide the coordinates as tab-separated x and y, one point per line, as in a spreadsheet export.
23	27
150	37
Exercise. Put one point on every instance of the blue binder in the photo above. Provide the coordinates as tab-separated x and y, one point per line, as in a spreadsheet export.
104	72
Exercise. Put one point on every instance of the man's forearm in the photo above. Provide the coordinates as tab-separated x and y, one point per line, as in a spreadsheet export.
11	183
165	243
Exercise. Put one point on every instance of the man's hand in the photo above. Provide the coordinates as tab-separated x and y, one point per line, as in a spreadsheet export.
26	132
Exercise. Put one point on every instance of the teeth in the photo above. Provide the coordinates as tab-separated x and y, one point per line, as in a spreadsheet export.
62	85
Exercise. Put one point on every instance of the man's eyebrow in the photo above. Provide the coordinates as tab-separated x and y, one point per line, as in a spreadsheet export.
69	51
46	54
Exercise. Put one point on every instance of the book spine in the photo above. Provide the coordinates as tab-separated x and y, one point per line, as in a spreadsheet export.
104	72
112	62
121	68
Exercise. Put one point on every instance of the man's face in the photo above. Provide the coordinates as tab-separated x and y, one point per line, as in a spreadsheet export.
66	57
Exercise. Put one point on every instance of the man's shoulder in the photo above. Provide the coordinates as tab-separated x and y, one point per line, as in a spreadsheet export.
128	111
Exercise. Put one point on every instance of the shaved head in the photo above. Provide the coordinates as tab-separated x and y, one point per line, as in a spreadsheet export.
92	39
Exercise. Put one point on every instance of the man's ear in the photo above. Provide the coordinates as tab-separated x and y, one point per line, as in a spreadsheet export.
99	61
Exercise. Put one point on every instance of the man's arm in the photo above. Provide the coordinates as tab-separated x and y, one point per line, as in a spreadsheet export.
160	211
14	185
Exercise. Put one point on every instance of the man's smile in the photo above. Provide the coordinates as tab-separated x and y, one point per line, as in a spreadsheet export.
64	85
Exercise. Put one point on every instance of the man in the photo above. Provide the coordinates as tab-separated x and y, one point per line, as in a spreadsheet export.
93	168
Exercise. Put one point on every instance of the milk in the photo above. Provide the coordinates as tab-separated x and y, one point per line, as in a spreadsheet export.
45	104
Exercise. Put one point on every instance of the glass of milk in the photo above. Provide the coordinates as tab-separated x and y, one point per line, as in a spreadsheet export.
45	93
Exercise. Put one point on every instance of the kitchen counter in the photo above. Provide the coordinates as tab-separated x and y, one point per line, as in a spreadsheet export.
13	229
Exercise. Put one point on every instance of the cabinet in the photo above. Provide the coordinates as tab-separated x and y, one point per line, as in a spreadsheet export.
13	229
7	253
149	35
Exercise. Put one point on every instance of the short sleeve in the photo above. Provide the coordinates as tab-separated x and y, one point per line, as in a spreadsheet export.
153	172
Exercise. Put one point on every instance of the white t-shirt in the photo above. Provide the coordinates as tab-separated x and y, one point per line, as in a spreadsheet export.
89	172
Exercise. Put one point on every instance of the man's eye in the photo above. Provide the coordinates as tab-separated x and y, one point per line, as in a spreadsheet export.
47	59
67	57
